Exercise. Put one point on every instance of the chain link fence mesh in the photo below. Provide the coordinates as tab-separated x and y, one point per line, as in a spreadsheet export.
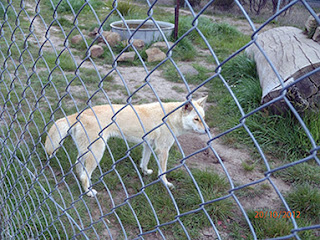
45	77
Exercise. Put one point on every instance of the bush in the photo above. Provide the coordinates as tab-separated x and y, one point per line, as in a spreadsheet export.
193	3
76	5
306	199
124	7
225	4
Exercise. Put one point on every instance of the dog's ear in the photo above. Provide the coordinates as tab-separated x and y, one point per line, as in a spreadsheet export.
187	107
202	101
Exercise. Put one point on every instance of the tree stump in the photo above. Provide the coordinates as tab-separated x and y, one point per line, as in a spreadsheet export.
293	55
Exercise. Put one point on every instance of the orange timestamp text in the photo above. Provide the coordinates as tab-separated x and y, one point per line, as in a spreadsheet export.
277	214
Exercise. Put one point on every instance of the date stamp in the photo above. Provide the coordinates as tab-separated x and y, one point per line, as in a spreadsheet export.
277	214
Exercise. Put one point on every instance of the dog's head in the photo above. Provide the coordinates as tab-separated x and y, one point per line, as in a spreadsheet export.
193	116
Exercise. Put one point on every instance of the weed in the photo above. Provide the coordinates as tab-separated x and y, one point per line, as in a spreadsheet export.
65	61
178	89
306	199
270	227
171	73
301	173
248	167
184	50
74	5
223	38
203	74
124	7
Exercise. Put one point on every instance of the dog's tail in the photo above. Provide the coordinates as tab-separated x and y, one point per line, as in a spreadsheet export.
57	132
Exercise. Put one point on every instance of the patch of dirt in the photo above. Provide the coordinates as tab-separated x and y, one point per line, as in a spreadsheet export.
232	158
134	78
50	39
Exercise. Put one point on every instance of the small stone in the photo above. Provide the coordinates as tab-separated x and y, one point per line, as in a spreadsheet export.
162	45
96	51
155	55
113	39
127	56
76	39
137	43
105	34
93	33
188	70
208	232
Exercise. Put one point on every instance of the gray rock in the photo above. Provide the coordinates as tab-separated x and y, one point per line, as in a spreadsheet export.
162	45
96	51
76	39
155	55
127	56
188	70
105	34
311	25
113	39
139	44
93	33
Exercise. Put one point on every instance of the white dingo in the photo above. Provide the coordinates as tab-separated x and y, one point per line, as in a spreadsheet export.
95	126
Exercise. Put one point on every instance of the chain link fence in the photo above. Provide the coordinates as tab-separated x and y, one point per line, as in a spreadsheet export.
46	75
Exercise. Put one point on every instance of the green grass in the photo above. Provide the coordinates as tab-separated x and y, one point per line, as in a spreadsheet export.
281	138
271	227
223	38
28	206
278	135
124	7
74	5
186	195
65	61
306	199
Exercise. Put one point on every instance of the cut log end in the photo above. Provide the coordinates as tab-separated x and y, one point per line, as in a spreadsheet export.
304	95
292	55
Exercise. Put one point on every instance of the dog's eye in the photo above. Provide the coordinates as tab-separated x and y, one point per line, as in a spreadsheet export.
197	119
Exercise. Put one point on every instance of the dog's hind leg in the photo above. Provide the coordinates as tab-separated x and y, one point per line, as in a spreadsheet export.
146	153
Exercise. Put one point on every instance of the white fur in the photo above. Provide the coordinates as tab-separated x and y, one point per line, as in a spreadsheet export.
86	133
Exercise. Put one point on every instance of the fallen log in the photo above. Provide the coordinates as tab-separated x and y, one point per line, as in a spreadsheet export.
293	55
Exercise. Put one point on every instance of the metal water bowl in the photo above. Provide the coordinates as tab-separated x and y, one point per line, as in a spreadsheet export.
148	32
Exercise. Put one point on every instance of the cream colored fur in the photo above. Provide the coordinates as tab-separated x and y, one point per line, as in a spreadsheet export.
91	147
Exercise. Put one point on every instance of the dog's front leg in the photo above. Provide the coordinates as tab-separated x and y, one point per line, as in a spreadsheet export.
90	161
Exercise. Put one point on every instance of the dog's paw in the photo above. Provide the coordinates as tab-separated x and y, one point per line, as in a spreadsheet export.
92	193
170	185
147	171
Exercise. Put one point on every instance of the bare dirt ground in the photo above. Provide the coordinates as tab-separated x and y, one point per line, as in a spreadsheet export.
232	159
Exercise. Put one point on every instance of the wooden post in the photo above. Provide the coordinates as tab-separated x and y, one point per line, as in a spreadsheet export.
176	20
